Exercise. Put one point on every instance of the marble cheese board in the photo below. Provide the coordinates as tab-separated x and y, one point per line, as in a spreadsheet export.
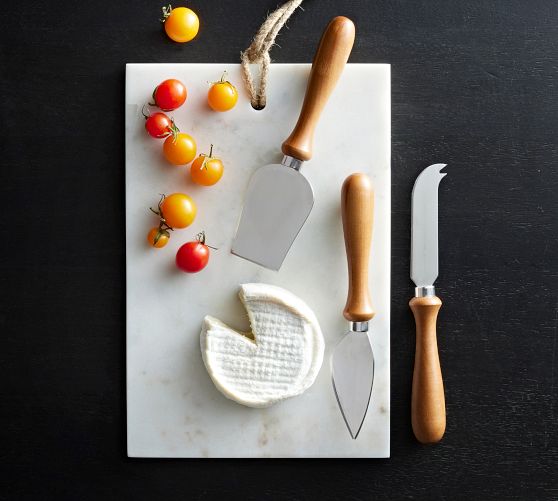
173	408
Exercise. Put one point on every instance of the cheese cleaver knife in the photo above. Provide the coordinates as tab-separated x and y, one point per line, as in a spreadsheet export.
279	198
428	407
352	362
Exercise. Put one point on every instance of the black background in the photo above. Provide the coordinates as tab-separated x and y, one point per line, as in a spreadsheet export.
474	85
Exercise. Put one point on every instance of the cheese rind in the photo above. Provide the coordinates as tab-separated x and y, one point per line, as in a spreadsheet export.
279	359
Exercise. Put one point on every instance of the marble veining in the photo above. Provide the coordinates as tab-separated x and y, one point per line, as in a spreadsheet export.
174	410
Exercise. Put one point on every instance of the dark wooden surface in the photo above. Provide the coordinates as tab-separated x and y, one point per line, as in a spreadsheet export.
475	85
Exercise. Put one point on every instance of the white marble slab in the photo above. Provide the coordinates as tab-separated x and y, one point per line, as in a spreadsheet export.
173	408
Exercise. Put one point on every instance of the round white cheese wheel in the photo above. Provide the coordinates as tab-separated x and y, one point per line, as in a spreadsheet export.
279	359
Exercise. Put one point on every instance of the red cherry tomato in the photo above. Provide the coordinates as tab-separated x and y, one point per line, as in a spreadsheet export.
193	256
158	125
170	94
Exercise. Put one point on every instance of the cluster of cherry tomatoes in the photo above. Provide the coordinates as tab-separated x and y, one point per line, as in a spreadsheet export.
178	210
179	148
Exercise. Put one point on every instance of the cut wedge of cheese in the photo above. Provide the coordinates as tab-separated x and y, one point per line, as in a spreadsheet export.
279	359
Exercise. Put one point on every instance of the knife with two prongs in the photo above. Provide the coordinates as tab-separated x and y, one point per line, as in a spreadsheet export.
428	406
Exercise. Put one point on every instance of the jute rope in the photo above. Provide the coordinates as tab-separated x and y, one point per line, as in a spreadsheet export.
258	51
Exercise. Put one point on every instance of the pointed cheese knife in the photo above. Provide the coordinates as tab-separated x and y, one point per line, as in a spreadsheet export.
428	406
352	362
279	198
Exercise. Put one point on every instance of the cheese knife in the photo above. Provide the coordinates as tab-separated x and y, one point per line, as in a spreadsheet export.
279	198
428	407
352	362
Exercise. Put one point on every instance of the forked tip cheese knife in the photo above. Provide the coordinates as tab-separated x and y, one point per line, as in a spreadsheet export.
428	407
352	362
279	198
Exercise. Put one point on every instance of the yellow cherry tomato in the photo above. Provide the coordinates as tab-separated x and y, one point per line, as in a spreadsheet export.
222	95
181	24
206	169
158	237
179	149
179	210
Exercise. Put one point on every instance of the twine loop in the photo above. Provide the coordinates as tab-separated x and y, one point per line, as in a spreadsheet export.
258	52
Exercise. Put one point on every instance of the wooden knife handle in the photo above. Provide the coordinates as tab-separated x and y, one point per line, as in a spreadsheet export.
428	404
329	61
357	211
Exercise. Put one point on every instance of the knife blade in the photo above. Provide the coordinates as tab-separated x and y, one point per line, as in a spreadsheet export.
428	411
279	198
352	361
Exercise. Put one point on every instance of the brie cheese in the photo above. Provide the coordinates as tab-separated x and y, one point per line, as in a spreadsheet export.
279	359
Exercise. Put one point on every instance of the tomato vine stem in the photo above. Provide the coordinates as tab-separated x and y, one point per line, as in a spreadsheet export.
200	237
166	12
163	225
173	131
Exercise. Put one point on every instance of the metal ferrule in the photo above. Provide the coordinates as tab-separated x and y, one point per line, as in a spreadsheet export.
292	162
359	326
425	291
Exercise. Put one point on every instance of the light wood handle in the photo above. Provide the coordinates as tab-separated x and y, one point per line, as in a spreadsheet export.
428	404
357	211
329	61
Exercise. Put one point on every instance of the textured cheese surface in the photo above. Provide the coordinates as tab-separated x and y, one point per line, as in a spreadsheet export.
279	359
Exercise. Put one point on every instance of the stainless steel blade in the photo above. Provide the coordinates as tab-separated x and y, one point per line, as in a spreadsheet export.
424	227
278	202
352	369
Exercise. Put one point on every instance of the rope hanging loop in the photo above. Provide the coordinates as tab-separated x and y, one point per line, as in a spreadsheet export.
258	52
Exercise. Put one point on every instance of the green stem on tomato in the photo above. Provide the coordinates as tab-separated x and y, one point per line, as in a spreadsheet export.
163	225
166	12
200	237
